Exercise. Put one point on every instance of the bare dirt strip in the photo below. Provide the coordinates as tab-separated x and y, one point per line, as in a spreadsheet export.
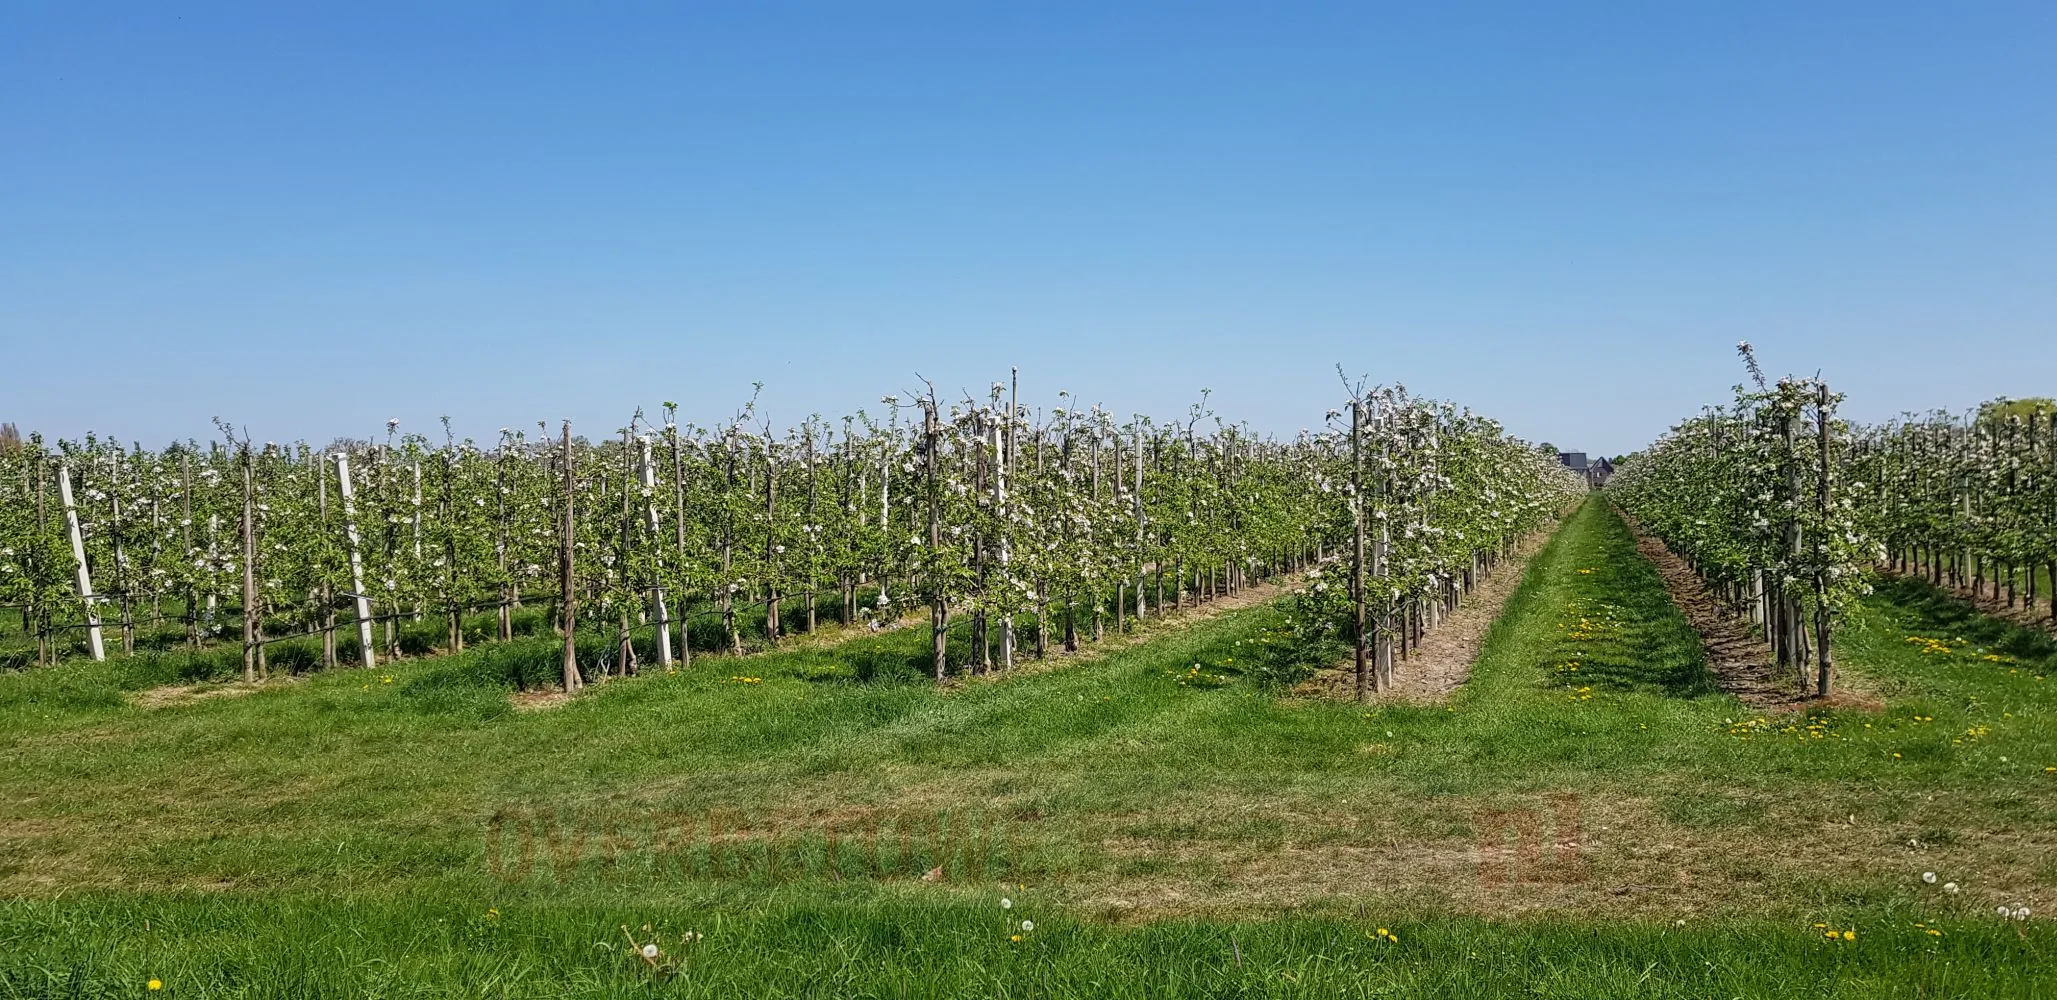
1740	661
1443	660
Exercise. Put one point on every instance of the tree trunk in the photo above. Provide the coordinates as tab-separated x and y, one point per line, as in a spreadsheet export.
364	643
252	612
568	601
1359	651
939	607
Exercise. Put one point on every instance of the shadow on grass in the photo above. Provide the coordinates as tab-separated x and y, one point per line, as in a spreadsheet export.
1940	614
901	656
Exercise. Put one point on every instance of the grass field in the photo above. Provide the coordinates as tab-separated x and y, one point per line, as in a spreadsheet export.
409	832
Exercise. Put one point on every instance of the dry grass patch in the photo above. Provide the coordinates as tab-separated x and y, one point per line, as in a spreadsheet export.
1622	859
538	701
174	695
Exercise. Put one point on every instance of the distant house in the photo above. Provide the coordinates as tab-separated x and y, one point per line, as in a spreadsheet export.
1596	472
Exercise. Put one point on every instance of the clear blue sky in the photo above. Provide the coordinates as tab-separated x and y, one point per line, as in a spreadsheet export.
308	220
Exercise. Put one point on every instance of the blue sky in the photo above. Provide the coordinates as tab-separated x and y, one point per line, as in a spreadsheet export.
309	219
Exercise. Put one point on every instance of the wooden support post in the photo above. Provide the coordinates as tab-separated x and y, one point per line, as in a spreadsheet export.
1382	648
185	536
1141	606
1359	652
84	576
449	515
1001	459
939	607
568	602
659	608
364	643
326	593
886	503
772	562
1823	670
728	543
1792	627
812	529
625	646
121	580
678	490
508	589
253	611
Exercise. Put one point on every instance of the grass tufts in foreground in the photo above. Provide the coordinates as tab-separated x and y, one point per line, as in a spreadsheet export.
819	948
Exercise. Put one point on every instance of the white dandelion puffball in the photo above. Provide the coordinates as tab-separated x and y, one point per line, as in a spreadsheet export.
2021	914
1929	877
1029	925
1006	904
2004	912
1949	887
649	951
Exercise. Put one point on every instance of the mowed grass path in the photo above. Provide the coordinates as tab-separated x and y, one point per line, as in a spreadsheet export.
330	836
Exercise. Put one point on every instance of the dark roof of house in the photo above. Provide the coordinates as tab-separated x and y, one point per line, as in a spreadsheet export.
1574	460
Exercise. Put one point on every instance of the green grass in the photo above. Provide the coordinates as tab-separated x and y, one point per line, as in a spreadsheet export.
331	835
819	946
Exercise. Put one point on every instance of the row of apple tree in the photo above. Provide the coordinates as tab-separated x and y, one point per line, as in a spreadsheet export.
1014	528
1781	506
